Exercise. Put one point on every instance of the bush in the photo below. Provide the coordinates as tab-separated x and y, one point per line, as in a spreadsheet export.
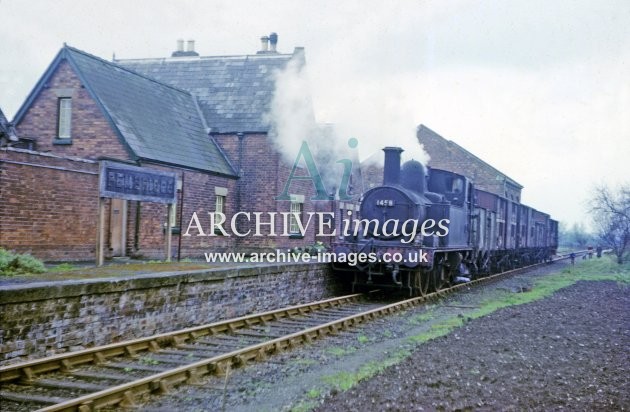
313	250
15	264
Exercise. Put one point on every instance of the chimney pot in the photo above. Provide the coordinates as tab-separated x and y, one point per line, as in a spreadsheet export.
180	45
191	46
264	44
273	41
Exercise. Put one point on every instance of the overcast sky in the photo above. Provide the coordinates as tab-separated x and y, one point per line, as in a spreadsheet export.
539	89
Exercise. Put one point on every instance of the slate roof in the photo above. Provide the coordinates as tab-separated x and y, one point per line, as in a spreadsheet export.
157	122
7	131
4	124
234	92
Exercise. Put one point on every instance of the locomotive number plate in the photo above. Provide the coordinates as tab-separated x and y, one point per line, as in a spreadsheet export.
384	202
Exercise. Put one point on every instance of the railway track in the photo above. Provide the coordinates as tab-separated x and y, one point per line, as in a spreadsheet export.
121	374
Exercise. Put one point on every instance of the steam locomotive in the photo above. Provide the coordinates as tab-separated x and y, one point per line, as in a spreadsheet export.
422	230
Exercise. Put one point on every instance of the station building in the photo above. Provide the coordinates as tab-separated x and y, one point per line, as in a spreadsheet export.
203	118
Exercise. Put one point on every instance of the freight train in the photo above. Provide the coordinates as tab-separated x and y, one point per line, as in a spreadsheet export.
466	233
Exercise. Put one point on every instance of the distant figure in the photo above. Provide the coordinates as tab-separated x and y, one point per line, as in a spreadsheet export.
599	251
572	256
590	252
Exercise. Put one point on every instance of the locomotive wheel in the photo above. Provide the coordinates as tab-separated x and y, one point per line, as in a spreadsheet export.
421	280
439	276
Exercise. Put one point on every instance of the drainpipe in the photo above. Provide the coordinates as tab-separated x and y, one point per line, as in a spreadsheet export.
181	214
241	144
136	234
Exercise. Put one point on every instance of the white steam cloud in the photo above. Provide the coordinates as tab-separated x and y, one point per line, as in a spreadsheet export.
374	123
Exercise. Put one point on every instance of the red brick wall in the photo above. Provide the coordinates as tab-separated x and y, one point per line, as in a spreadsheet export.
448	156
91	133
48	211
264	174
199	196
49	208
372	175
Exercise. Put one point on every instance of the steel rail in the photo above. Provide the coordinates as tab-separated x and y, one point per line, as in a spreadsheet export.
27	371
126	395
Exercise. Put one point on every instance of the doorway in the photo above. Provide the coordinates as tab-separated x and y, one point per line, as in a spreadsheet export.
118	227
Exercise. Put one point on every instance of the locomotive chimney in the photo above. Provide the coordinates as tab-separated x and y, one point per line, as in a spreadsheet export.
391	170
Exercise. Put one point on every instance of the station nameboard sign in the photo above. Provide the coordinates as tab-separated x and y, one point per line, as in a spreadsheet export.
122	181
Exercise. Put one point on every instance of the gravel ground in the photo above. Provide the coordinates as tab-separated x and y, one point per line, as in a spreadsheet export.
570	351
551	354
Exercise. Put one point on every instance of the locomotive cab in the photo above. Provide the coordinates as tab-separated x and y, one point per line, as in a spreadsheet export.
458	192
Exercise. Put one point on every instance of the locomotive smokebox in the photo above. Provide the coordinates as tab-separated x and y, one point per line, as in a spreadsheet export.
391	170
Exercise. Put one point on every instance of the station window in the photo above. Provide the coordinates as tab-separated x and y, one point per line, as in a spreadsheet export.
297	202
64	115
296	212
219	207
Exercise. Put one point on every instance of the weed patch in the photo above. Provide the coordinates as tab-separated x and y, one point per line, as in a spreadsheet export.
63	267
17	264
421	318
313	393
305	362
147	360
304	406
339	351
345	380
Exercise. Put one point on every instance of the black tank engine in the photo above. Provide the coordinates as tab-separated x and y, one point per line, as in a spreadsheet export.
424	229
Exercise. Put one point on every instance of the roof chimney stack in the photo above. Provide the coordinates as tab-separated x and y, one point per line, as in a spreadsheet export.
273	41
268	44
180	52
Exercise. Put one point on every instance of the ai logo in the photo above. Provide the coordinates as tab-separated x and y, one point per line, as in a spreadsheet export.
315	177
